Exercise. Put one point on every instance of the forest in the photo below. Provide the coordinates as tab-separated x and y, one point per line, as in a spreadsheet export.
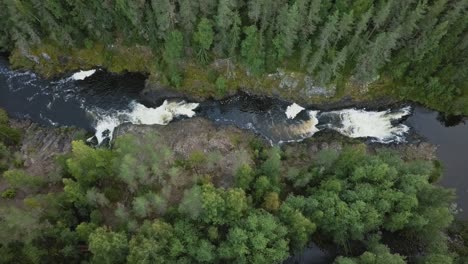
137	203
139	200
411	50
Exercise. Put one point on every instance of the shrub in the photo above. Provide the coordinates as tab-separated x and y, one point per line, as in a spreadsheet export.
9	193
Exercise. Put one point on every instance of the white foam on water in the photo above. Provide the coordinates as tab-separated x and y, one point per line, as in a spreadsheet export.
313	116
105	127
303	130
140	114
376	125
81	75
293	110
163	114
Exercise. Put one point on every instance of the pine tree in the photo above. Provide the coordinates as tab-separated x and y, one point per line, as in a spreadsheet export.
203	38
225	21
288	27
173	51
234	35
252	50
313	18
165	17
344	26
378	52
187	16
207	7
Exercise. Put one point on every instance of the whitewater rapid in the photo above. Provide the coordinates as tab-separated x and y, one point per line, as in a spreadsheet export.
140	115
379	126
100	101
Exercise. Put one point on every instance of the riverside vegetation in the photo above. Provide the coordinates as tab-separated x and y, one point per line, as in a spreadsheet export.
412	50
143	202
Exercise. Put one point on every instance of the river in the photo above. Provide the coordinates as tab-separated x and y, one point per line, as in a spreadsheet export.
99	101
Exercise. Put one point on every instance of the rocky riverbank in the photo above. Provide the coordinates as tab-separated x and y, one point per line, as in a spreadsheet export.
219	79
40	145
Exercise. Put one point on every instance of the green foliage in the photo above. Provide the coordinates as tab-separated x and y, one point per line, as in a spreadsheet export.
8	136
19	225
272	165
89	165
252	50
214	206
221	86
203	38
139	202
244	177
362	193
259	238
172	53
9	193
378	254
4	158
19	179
300	228
108	246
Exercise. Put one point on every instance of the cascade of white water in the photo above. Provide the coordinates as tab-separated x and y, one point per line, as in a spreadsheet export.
377	125
140	114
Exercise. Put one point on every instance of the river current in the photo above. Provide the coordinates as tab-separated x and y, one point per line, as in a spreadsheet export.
99	101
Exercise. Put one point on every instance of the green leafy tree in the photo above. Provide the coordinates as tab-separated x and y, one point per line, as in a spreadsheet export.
259	238
108	246
378	254
88	165
244	176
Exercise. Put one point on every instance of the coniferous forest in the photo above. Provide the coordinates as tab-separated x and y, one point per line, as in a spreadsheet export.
413	50
147	198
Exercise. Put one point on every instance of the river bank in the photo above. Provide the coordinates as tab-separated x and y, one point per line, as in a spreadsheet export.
219	79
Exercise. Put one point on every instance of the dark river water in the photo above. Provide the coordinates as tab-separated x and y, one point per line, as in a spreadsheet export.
102	101
451	138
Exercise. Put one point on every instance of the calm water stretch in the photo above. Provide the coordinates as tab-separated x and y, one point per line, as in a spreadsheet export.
99	101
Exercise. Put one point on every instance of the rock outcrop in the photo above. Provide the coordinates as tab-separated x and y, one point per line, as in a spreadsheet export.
41	145
227	145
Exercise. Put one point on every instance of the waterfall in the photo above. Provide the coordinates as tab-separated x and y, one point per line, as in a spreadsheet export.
378	125
141	115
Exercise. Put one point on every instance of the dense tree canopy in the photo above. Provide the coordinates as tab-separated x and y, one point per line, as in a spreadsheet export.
140	203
